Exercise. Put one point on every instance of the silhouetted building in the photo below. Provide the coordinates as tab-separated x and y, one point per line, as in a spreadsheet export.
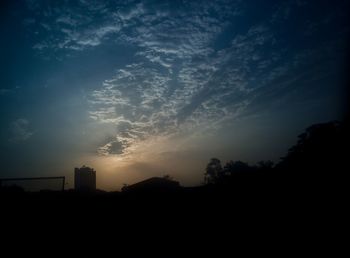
153	184
84	179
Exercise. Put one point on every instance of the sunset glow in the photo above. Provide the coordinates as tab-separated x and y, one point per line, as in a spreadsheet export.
137	89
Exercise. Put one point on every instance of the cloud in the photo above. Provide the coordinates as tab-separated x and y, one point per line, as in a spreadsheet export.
20	130
196	66
129	13
112	147
71	27
190	86
89	24
5	91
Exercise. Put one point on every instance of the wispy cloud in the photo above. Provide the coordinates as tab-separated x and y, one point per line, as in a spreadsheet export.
5	91
179	79
182	82
20	130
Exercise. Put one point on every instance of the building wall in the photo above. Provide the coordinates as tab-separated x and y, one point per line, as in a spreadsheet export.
84	178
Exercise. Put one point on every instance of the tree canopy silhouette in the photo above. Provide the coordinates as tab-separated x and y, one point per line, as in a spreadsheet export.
320	149
318	154
213	171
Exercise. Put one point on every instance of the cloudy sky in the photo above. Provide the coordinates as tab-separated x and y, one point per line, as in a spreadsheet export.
143	88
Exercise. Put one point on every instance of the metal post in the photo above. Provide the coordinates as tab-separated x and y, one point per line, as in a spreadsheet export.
64	182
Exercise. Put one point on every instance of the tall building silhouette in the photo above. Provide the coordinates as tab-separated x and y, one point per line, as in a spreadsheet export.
84	179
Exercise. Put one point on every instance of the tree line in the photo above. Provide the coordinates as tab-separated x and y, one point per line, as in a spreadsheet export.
318	154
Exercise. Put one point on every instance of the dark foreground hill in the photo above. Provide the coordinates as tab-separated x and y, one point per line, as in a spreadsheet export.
295	206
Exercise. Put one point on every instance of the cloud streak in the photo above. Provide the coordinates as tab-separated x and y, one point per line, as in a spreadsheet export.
179	78
20	130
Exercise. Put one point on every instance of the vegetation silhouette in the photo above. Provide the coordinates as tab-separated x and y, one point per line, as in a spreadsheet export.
303	176
316	159
318	152
238	202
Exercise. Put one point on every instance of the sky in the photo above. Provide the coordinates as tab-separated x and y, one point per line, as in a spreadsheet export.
137	89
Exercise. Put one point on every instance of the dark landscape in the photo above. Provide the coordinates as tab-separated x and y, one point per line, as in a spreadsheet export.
308	176
163	126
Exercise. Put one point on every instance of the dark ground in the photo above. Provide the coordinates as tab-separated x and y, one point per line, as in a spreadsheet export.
298	207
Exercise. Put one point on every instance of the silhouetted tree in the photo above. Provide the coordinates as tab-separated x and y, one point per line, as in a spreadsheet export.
265	165
213	171
237	167
232	170
318	152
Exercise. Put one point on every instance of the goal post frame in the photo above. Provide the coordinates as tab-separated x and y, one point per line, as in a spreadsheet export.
34	178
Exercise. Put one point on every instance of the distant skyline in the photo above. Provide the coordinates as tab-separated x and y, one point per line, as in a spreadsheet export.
136	89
